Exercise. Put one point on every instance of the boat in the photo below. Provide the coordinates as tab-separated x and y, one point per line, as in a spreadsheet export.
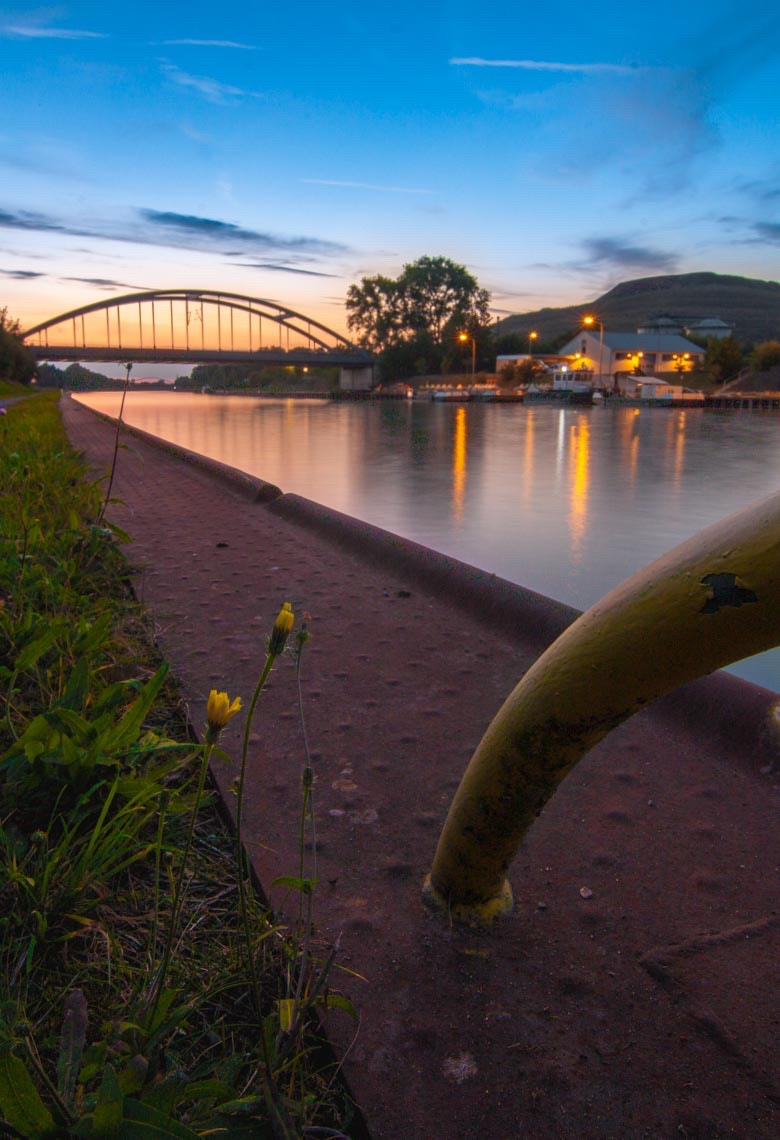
460	394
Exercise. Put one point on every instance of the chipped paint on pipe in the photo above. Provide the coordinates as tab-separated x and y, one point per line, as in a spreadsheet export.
709	602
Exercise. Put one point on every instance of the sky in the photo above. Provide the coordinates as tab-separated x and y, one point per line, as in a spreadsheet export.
555	149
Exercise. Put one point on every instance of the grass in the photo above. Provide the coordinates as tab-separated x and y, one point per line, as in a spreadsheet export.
145	986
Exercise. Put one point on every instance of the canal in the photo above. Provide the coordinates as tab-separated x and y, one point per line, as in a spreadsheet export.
565	501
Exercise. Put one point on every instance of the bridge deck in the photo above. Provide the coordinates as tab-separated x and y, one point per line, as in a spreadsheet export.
634	992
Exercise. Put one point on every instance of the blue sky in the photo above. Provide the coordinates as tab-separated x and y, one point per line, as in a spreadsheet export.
284	151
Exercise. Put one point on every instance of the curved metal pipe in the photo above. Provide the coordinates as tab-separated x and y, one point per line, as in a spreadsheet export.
709	602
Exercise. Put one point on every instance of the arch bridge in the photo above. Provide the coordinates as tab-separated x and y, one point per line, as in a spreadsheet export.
196	326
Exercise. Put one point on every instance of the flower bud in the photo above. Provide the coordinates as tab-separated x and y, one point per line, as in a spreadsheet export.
281	631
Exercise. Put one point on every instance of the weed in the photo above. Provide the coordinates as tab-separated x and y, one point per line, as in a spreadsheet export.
145	986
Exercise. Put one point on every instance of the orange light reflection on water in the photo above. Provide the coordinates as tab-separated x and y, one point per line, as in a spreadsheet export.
459	463
580	483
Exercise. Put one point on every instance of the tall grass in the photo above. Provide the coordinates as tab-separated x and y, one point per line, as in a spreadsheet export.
145	987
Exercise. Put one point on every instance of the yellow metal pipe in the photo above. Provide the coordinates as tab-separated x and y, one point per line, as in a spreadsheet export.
709	602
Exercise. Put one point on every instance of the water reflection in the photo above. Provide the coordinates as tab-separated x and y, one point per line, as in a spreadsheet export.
459	463
568	502
579	466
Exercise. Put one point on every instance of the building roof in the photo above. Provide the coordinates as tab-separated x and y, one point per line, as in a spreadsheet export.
711	323
637	342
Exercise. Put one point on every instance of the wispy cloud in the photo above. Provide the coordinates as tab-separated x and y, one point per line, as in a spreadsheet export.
285	269
101	283
209	43
549	65
20	274
366	186
212	89
178	231
36	32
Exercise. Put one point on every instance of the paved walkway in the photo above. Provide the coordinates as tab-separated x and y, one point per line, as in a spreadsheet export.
647	1008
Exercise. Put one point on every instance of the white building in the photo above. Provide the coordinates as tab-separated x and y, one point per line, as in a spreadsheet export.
613	355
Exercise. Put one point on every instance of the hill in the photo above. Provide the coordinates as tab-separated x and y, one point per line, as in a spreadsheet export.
753	306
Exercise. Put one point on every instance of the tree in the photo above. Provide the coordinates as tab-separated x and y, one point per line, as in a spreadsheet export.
16	361
723	359
418	313
766	356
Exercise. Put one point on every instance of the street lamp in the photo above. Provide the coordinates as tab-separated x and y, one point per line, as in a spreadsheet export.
589	322
464	337
532	336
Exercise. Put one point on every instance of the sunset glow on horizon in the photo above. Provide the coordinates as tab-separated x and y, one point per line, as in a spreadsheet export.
552	152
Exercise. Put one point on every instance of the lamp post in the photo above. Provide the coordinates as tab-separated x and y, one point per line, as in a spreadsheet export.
531	338
589	322
464	337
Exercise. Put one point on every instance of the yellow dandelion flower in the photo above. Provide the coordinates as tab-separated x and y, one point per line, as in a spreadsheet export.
219	710
282	628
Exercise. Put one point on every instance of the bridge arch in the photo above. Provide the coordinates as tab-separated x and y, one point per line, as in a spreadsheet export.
190	324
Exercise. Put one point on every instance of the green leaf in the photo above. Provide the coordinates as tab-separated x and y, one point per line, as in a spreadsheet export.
129	728
33	652
108	1111
20	1101
78	684
210	1089
117	532
93	636
337	1001
74	1033
286	1013
142	1121
305	886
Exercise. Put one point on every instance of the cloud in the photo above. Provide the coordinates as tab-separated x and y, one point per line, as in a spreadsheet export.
27	220
209	43
768	231
366	186
548	65
285	269
211	231
101	283
612	252
20	274
211	89
179	231
40	33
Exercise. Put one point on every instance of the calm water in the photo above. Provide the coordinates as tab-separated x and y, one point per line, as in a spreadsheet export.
568	502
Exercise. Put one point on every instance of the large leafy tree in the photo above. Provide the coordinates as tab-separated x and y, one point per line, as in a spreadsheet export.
723	359
417	315
16	360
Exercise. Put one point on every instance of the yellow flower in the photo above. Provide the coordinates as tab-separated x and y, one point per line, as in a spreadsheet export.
282	627
219	710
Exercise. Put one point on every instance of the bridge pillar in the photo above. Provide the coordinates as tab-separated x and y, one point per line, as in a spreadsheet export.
357	379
